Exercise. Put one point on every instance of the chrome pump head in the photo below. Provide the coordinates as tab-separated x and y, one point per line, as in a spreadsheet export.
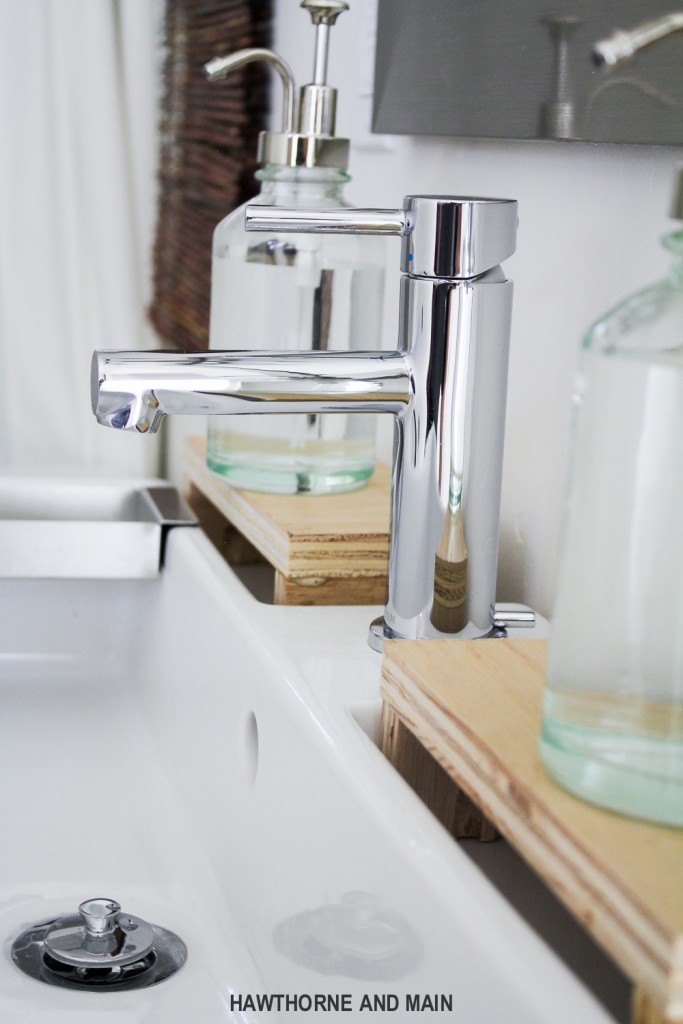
306	137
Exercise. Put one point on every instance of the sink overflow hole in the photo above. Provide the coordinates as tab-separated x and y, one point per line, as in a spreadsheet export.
250	747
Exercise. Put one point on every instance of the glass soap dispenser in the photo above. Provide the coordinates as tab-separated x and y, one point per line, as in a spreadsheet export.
296	292
613	715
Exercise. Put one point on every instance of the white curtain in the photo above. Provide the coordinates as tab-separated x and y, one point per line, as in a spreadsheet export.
78	90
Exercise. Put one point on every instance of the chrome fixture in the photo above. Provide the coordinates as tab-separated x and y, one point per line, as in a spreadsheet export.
558	115
445	385
622	45
100	947
306	137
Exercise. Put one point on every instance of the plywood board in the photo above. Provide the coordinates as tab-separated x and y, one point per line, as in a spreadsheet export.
306	538
476	706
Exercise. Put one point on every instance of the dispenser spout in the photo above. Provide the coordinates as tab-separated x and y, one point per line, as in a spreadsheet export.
220	67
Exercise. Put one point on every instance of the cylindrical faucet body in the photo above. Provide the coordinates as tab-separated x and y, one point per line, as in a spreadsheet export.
448	452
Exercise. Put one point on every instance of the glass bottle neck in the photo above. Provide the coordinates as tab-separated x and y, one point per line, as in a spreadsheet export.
302	186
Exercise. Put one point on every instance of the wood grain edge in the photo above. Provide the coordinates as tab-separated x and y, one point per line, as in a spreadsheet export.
258	527
641	949
352	590
431	782
226	538
644	1011
292	552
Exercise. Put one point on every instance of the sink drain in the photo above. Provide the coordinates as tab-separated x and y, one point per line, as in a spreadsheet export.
100	948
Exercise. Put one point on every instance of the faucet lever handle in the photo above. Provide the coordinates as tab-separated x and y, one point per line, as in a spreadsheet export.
443	237
338	220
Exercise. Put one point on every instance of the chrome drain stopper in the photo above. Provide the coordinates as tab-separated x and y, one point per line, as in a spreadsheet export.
100	948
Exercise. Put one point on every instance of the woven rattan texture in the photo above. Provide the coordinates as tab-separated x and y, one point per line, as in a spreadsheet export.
207	157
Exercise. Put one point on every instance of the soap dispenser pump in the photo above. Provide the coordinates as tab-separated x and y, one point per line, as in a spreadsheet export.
294	292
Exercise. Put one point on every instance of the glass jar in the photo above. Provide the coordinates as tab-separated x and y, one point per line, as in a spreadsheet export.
613	714
295	292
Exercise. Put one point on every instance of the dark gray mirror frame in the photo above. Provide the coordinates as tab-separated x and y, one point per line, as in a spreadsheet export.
495	69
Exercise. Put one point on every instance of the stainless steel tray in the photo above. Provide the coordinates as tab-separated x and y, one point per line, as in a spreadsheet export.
80	529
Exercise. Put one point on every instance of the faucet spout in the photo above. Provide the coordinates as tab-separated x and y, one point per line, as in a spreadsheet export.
135	390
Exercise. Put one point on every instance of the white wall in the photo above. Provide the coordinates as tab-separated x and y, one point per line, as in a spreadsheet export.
590	221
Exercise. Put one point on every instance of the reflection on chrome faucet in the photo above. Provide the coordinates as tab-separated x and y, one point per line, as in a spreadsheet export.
622	45
558	115
450	574
617	51
445	386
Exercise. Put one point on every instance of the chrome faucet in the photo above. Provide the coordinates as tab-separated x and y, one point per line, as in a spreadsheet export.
445	386
622	45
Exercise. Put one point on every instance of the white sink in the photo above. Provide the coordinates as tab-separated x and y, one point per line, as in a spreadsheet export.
66	528
177	746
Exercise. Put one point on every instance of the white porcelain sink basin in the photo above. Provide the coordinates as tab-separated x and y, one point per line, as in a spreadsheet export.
175	745
67	528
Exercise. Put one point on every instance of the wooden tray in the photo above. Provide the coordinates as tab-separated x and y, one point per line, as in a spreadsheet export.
476	707
324	549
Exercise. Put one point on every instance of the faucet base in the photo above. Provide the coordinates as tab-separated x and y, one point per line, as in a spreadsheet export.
503	618
376	635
